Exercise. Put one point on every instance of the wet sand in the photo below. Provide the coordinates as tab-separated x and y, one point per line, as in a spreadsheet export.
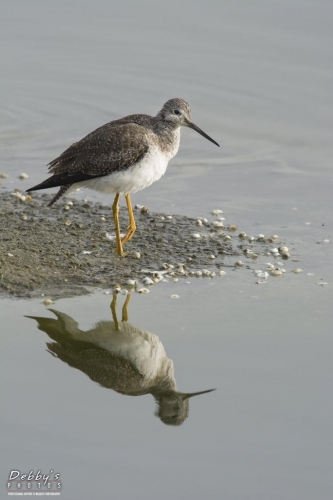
43	249
66	250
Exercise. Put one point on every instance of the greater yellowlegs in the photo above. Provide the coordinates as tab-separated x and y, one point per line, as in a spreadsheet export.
122	157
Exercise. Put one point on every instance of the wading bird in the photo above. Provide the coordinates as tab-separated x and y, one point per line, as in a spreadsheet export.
122	157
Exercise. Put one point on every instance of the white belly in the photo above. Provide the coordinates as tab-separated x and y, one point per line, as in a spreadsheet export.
137	177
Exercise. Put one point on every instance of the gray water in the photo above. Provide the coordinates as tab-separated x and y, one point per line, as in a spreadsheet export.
258	76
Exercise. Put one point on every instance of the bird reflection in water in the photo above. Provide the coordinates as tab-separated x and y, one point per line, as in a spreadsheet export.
120	356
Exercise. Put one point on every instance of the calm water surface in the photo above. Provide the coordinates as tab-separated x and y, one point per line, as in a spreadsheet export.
259	78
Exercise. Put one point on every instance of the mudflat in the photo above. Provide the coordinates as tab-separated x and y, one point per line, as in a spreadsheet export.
68	249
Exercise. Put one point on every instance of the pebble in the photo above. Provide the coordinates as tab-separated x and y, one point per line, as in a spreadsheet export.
297	270
137	255
239	263
221	273
212	257
47	302
218	224
196	235
4	176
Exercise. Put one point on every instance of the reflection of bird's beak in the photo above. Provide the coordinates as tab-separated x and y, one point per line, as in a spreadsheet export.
191	394
201	132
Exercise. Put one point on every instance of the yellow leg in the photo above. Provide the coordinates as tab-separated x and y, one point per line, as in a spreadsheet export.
115	210
132	226
125	306
113	307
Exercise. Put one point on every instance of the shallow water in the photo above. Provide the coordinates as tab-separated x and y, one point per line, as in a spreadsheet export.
258	77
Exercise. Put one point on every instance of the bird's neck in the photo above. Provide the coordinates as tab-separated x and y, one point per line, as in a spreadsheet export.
168	135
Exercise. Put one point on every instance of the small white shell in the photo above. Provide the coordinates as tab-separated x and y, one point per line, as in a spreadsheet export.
216	212
158	277
243	235
212	257
23	177
137	255
218	223
47	302
227	237
131	282
86	252
199	222
297	270
212	274
147	281
276	272
143	291
198	273
174	296
239	263
263	275
221	273
70	203
196	235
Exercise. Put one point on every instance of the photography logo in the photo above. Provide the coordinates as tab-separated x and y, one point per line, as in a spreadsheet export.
34	483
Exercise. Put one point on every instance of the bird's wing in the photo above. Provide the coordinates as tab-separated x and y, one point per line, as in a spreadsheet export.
108	149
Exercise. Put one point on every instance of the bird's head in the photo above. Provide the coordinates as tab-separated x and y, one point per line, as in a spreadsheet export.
178	113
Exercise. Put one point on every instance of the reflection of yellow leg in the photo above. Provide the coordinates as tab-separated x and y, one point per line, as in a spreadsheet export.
125	306
113	307
132	226
115	210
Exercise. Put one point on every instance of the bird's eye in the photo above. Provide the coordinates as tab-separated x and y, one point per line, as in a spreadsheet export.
176	112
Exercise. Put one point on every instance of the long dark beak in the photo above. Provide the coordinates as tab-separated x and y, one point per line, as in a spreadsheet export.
201	132
191	394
